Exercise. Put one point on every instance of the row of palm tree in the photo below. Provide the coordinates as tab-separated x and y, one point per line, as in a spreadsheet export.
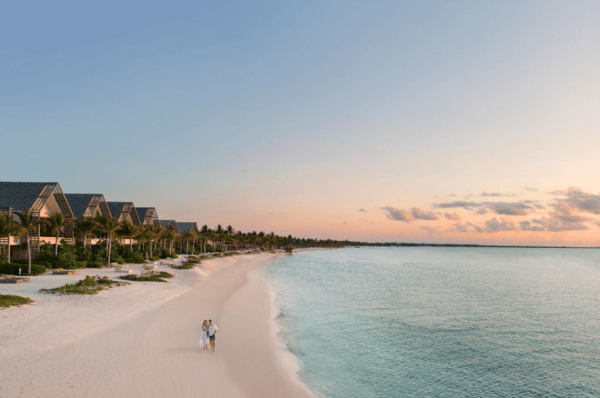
108	228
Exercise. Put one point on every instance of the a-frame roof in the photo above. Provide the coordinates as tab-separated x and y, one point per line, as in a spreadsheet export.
84	204
168	224
32	196
116	208
19	195
187	226
119	210
147	215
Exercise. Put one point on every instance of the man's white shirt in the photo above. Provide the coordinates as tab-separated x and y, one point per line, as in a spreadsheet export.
212	329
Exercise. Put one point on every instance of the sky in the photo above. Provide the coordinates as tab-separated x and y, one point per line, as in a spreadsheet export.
413	121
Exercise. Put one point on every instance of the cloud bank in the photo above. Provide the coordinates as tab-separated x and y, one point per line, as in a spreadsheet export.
570	210
409	215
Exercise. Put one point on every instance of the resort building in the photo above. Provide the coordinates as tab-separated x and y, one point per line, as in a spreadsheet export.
124	211
147	215
40	199
86	205
169	224
183	227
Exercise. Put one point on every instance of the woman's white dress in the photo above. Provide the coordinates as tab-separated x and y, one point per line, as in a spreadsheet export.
204	339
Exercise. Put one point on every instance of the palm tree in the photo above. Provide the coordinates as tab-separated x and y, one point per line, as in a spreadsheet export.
202	242
110	226
157	229
8	228
187	235
148	235
233	242
129	230
170	235
56	223
26	225
86	228
218	240
194	237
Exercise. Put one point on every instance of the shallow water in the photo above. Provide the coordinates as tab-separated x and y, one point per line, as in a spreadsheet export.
443	322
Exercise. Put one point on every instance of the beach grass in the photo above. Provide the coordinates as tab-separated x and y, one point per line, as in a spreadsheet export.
148	276
89	285
8	301
183	266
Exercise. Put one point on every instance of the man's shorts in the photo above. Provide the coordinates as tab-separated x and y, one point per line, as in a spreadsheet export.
212	337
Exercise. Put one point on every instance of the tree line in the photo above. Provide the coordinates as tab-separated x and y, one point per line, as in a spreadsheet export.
148	238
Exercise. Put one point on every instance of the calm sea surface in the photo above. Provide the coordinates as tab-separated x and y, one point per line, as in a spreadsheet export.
443	322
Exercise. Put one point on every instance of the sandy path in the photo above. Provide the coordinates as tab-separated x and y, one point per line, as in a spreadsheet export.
156	353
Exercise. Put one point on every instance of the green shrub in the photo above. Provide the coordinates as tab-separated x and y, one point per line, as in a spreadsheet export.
13	269
7	300
66	261
183	266
44	264
161	253
148	276
81	264
135	258
154	258
95	264
89	285
117	259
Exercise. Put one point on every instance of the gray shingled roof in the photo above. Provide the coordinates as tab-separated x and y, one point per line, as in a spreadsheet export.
143	211
167	223
79	202
116	208
187	226
21	194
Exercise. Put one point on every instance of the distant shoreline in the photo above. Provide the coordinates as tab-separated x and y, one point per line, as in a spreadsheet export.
476	245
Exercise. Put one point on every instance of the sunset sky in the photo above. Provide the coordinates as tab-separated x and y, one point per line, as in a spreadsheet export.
473	122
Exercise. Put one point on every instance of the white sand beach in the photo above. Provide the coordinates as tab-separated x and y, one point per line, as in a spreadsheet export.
142	340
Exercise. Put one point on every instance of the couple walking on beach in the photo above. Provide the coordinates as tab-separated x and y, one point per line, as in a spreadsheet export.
209	333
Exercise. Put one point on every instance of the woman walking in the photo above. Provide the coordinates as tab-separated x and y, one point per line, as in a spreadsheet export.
204	338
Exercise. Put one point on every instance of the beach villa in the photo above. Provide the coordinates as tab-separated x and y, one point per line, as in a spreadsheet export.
86	205
40	199
124	211
148	215
169	224
183	227
47	199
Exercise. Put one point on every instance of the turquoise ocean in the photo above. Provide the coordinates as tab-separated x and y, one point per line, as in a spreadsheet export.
442	322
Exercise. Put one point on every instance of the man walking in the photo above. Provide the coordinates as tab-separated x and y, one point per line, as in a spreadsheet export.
212	333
